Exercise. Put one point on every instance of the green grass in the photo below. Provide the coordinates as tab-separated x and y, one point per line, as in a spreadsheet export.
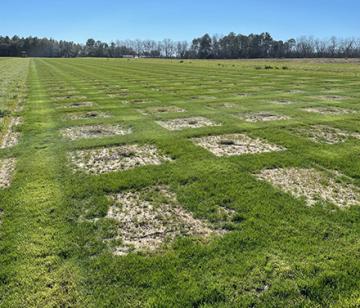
306	256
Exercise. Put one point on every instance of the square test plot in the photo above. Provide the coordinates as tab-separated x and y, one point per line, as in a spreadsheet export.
120	158
235	144
313	185
184	123
87	115
263	116
94	131
7	168
161	110
329	110
149	217
326	134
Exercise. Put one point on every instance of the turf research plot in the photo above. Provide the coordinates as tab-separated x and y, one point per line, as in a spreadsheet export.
329	110
105	160
326	134
263	117
161	110
148	218
7	168
235	144
184	123
312	185
87	115
94	131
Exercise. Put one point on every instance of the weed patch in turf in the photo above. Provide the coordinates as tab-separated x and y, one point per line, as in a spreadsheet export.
161	110
263	117
87	115
150	217
94	131
329	110
7	168
184	123
120	158
235	144
312	185
326	134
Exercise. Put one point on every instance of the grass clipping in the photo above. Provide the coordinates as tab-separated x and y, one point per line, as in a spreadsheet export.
150	217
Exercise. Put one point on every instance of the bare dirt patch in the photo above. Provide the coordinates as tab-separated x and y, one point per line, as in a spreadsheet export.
120	158
94	131
77	105
329	110
150	217
326	134
235	144
312	185
7	168
161	110
87	115
263	117
184	123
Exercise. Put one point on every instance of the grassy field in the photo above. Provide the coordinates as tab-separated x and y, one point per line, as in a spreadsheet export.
237	236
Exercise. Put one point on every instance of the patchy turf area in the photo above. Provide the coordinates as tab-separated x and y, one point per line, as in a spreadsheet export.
160	183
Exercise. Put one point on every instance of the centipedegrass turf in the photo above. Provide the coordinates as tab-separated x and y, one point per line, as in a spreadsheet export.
266	246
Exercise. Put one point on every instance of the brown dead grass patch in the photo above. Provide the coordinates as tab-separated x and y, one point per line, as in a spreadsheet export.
94	131
120	158
184	123
7	168
87	115
329	110
77	105
235	144
326	134
263	117
150	217
312	185
161	110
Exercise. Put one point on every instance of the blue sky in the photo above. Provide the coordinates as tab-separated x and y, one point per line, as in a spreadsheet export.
109	20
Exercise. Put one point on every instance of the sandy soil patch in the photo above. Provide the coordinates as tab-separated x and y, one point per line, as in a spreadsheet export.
184	123
161	110
7	168
11	137
313	185
263	117
151	217
120	158
326	134
77	105
87	115
94	131
235	144
329	110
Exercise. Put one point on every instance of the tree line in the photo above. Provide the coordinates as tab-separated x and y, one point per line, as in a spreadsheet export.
231	46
